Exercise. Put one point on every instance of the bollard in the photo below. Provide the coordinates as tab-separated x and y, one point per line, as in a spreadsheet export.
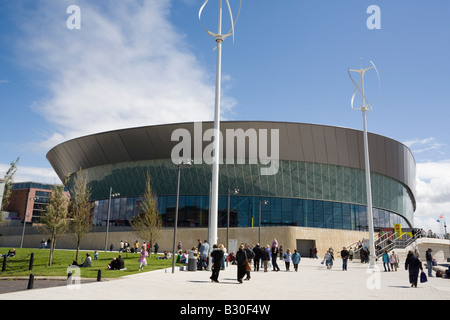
30	267
4	264
31	281
69	277
99	275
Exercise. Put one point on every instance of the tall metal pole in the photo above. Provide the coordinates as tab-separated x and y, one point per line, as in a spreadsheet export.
261	202
228	223
216	145
107	219
175	223
365	108
216	153
372	254
259	224
25	219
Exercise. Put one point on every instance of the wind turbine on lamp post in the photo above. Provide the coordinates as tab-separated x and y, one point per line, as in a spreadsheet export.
219	38
366	107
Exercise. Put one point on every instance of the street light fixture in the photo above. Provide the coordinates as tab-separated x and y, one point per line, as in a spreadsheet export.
261	202
182	163
111	195
230	192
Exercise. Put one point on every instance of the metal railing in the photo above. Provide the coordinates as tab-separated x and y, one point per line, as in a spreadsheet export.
393	242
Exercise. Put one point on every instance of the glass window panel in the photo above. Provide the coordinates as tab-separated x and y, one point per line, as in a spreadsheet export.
318	214
286	211
309	213
337	215
328	214
297	212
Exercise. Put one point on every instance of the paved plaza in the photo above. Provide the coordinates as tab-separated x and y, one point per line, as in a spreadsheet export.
312	282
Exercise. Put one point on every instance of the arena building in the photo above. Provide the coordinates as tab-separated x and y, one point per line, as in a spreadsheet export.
311	178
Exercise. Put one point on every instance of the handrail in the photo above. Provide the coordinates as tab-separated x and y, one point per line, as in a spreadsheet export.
398	242
356	250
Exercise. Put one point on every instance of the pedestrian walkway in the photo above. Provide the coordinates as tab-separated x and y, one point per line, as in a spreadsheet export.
312	281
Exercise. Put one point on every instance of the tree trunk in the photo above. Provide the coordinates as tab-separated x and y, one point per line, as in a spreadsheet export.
78	249
52	248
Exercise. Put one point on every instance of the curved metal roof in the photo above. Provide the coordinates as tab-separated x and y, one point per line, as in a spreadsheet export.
297	142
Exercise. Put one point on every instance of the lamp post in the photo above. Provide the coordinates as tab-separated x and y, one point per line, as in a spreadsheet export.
175	223
366	107
230	192
111	195
261	202
25	219
219	37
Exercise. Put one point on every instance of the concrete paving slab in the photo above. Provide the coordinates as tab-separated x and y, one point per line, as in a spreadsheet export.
312	282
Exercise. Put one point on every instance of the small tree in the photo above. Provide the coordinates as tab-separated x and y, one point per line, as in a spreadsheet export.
147	223
80	209
54	221
9	180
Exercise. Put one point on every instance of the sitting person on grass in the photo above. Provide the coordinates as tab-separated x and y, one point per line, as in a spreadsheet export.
87	261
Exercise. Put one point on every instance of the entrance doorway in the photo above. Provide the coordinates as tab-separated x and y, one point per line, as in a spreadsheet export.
304	246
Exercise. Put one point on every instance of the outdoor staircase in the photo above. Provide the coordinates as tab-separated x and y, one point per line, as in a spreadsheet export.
388	242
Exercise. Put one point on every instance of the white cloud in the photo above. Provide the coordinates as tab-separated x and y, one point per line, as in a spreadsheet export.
433	194
34	174
424	145
127	66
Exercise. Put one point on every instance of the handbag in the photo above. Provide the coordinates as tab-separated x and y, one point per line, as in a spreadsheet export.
423	277
248	266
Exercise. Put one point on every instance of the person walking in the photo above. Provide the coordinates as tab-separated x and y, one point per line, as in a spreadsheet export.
250	256
328	259
394	261
241	260
274	257
256	262
413	265
315	253
350	254
344	255
386	261
204	254
429	262
217	258
143	258
296	259
265	257
287	258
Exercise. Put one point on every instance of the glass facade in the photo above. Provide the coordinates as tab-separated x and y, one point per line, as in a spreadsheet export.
244	212
301	193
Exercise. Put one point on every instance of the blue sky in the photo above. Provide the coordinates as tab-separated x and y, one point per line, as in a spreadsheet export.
137	63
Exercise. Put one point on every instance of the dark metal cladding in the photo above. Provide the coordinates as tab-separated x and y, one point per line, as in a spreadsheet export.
298	142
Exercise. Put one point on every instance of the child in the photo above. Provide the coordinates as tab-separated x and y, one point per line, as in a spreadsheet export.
143	260
287	259
95	255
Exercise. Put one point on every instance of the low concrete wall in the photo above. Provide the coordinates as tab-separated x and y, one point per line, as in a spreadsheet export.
440	247
286	237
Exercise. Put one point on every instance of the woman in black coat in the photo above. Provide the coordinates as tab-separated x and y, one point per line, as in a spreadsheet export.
217	257
413	264
241	259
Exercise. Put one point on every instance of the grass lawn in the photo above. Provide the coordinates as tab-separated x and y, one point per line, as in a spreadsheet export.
18	265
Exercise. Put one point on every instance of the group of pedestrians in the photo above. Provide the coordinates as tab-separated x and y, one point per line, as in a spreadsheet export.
260	256
267	256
